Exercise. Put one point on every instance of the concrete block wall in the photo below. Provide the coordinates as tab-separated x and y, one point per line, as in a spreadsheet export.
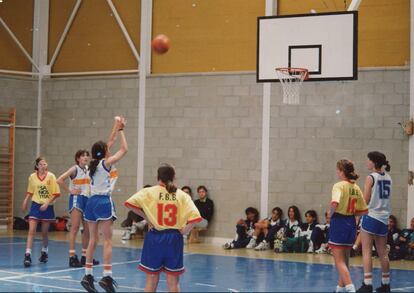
338	120
209	127
79	112
21	94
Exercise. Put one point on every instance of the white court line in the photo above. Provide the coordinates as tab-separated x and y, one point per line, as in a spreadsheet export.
47	286
402	289
17	243
207	285
61	271
232	290
11	272
78	282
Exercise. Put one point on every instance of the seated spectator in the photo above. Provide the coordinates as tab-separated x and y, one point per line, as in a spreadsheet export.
187	190
206	208
392	237
320	236
244	230
290	231
268	228
404	246
132	223
307	228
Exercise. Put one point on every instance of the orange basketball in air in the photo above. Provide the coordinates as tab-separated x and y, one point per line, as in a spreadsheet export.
160	44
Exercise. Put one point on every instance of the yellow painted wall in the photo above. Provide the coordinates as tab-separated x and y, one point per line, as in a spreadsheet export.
206	35
213	35
95	41
384	28
18	14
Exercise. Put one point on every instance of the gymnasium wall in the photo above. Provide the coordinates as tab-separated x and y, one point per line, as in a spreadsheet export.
209	127
22	95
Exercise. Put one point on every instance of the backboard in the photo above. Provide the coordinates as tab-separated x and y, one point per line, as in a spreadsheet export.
323	43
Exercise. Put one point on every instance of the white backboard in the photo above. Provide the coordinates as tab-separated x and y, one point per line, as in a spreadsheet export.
324	43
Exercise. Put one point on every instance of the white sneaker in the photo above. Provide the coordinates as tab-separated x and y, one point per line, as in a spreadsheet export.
140	225
310	248
133	229
322	249
228	245
252	243
126	235
262	246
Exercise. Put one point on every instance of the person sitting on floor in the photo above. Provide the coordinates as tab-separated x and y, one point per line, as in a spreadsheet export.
307	228
133	223
244	229
320	236
268	227
405	244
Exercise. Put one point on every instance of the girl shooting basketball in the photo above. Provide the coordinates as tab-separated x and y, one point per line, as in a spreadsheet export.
347	202
374	227
100	210
172	214
42	190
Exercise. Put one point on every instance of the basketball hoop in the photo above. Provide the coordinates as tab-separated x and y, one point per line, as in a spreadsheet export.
291	80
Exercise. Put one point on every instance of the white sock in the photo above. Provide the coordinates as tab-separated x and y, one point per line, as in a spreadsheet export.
28	251
45	249
385	278
339	289
350	288
107	270
88	269
368	279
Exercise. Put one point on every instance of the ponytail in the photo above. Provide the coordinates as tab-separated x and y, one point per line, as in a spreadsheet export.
98	151
379	160
387	166
347	167
170	186
166	174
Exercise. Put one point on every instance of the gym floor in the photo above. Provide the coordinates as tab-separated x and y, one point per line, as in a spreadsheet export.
209	268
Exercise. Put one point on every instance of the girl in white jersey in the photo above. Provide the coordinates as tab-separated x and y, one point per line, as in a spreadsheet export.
377	194
79	193
100	210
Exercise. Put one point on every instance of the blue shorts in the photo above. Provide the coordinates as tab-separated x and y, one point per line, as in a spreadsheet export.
99	208
163	251
36	214
342	231
77	201
374	226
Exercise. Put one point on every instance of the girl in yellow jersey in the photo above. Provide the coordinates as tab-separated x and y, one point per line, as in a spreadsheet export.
172	214
42	190
347	202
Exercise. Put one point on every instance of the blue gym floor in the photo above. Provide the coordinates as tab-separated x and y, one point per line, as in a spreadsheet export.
204	272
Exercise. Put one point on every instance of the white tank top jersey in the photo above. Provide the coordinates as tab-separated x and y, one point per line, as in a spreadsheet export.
101	181
379	206
81	181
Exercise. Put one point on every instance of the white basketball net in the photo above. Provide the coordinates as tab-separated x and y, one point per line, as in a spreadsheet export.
291	80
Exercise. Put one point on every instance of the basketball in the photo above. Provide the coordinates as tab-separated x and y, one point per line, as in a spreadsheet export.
160	44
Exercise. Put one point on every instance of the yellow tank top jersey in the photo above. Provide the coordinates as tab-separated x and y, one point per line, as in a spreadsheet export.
165	210
349	198
41	189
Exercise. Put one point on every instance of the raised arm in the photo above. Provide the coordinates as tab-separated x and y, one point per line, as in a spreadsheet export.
61	181
124	146
112	135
